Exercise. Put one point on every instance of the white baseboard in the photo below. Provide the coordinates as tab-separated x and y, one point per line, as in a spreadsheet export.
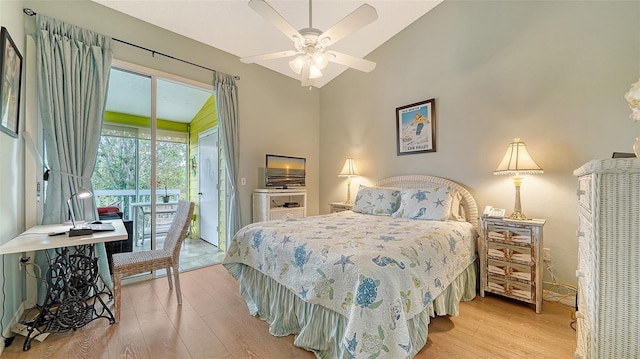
568	300
7	333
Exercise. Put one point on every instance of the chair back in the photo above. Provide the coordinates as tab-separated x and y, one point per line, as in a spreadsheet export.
178	228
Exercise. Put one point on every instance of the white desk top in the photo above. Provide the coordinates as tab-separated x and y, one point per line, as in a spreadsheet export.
37	238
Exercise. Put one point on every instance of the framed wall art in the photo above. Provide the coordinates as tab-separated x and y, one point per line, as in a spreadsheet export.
416	127
10	77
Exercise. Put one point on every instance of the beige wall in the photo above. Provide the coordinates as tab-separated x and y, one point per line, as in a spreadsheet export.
277	115
552	73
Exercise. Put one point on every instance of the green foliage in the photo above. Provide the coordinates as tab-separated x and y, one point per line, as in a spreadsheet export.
116	165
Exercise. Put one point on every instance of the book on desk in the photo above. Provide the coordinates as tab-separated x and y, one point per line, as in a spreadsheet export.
86	229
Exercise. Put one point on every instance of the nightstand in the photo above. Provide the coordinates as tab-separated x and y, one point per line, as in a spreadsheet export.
340	207
511	259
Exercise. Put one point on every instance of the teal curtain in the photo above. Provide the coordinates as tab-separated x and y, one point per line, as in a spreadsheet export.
72	77
227	106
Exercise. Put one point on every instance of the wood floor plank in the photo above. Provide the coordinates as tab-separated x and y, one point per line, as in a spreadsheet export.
214	322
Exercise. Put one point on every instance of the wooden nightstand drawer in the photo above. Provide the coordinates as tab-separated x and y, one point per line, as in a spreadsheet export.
510	270
508	234
508	252
521	290
510	288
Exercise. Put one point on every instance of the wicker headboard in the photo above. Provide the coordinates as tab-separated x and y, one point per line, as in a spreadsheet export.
418	181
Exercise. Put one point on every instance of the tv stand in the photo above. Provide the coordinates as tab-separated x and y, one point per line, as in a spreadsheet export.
270	204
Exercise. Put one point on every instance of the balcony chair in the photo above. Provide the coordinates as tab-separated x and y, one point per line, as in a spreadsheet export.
126	264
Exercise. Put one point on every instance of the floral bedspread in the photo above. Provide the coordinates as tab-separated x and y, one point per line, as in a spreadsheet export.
377	271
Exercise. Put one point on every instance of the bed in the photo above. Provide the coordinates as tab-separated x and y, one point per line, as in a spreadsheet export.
363	283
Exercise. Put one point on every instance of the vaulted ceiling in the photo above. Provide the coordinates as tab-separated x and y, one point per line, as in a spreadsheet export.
232	26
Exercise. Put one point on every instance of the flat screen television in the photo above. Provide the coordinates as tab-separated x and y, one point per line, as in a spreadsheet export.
284	171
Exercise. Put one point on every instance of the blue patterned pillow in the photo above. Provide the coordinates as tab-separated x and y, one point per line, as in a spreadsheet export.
378	201
425	203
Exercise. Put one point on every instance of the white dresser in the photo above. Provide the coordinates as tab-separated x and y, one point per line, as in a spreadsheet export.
608	316
270	204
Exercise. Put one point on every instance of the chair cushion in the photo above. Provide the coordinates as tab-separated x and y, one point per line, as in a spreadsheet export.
109	209
138	262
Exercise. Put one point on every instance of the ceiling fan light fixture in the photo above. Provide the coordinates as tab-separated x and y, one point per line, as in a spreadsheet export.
314	72
297	64
320	60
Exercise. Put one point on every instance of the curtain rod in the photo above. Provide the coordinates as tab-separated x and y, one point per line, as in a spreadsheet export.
30	12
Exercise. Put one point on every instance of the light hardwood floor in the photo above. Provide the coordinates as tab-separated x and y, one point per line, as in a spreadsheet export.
213	322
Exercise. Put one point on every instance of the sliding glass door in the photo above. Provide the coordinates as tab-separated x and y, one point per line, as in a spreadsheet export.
146	161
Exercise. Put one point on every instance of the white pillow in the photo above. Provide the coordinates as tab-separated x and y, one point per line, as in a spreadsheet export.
376	200
432	203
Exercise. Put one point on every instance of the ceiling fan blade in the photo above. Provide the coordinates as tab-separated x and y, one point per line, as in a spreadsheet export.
271	56
270	14
360	17
351	61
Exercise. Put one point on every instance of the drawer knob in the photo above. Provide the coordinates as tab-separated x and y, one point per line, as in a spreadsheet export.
580	192
579	234
579	274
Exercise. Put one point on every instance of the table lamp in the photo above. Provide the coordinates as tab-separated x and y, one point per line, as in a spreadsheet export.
82	193
349	170
517	162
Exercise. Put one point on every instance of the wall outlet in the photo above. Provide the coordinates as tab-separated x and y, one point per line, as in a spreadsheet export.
546	254
22	262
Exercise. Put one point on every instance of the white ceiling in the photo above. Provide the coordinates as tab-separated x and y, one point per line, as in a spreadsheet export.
131	94
231	26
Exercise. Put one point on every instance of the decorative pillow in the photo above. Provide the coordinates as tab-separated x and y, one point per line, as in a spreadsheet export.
458	212
376	200
426	203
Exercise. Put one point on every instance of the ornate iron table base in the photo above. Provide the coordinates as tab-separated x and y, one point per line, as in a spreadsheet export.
75	293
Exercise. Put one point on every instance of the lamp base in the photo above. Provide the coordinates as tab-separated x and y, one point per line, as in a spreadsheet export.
518	215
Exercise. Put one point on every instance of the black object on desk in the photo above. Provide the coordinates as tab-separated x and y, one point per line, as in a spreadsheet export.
75	232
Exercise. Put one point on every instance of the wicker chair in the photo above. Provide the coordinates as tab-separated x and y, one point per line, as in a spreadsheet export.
126	264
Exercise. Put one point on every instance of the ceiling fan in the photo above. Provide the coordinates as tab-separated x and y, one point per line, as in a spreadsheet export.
311	44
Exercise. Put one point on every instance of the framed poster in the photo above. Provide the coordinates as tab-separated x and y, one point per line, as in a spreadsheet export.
416	127
10	77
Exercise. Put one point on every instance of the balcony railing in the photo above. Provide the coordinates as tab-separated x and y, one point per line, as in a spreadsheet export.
123	198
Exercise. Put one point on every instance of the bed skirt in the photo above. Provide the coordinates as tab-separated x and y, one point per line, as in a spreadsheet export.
321	330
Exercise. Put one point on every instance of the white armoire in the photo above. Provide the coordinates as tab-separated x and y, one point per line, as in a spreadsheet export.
608	316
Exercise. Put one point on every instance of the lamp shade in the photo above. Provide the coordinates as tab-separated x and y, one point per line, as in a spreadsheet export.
83	193
349	168
517	161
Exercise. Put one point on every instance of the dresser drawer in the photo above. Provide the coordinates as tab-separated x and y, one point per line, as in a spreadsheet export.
286	213
508	252
584	192
510	270
584	337
509	234
510	288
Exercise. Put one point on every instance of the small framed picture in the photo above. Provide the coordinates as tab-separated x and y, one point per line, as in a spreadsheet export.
416	127
10	81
